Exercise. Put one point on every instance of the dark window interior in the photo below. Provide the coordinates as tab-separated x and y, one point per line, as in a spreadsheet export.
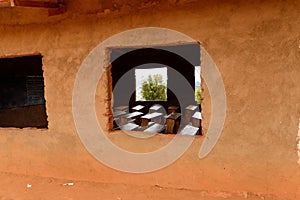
182	58
149	113
22	102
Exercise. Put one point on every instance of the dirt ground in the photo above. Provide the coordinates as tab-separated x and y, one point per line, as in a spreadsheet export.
32	188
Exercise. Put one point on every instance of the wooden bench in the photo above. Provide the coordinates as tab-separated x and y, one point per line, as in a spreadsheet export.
156	108
154	117
121	108
129	127
173	122
155	128
189	130
143	128
125	118
189	111
172	109
119	113
196	119
138	108
116	116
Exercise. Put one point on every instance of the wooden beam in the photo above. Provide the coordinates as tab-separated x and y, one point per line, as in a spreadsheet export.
39	3
5	3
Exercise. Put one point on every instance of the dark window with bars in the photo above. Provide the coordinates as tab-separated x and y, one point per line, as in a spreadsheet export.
22	102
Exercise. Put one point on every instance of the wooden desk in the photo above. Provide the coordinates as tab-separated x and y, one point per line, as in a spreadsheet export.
173	122
143	128
119	113
125	118
189	130
116	116
155	117
138	108
129	127
196	119
121	108
155	128
156	108
189	111
172	109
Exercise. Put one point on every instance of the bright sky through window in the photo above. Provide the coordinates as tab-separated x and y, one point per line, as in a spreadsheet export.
197	77
142	76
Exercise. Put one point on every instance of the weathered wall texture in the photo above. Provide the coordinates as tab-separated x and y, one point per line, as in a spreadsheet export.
254	44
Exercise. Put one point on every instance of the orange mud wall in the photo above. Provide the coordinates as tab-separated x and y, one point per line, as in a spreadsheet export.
256	46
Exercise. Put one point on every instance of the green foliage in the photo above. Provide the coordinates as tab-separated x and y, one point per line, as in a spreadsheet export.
198	96
153	89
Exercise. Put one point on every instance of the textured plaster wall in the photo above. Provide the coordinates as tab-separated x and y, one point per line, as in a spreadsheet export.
256	47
